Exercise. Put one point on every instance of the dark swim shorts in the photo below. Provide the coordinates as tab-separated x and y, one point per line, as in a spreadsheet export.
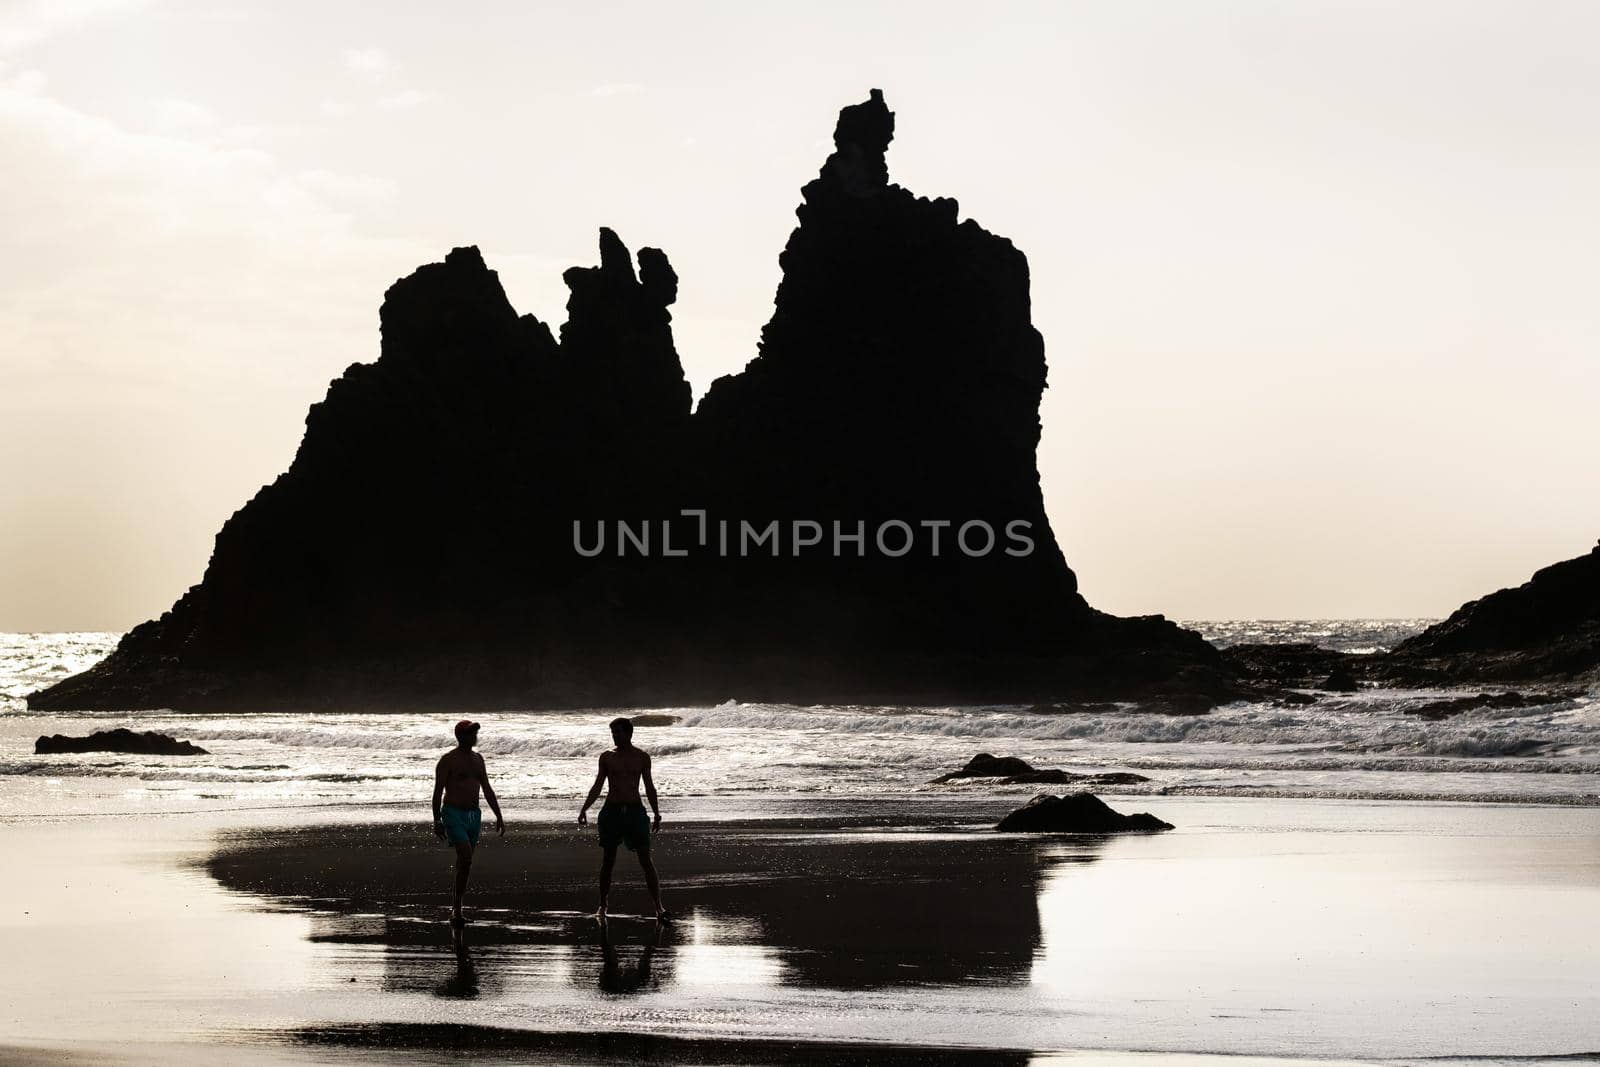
461	825
624	824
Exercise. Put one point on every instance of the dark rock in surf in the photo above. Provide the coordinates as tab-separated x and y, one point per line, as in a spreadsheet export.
1087	708
983	765
422	550
121	739
1076	813
1297	664
1452	706
1012	770
1339	680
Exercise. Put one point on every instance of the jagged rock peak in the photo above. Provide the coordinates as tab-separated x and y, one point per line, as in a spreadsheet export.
656	275
860	139
614	260
444	311
466	256
615	273
619	329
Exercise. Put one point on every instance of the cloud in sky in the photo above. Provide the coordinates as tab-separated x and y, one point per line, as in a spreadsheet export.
153	271
404	101
181	116
28	82
371	63
26	23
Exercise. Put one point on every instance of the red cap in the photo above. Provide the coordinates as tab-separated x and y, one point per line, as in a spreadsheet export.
466	726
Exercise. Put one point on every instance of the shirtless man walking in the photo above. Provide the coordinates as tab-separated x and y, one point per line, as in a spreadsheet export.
457	820
622	819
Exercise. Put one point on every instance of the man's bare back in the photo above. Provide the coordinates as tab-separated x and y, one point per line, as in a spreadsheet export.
623	767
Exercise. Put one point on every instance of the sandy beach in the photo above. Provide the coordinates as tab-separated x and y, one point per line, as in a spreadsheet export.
282	900
858	927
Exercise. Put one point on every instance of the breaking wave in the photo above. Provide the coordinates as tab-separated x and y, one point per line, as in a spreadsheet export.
1376	743
1570	728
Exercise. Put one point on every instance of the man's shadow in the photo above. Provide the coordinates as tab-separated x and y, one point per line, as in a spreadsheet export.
463	983
628	981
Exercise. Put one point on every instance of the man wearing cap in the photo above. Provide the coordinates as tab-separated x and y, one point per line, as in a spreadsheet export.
456	818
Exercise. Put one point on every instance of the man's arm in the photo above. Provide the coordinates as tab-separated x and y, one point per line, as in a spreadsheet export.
594	791
650	790
438	796
488	794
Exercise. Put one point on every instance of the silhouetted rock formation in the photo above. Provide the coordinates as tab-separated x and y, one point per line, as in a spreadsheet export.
1547	628
121	739
1012	770
1076	813
423	549
1544	632
654	719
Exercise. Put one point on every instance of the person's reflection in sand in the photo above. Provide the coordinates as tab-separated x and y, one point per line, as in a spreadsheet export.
463	984
636	979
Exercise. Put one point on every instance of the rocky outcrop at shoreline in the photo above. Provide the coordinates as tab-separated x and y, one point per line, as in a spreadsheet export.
147	743
1543	634
1546	628
497	514
1012	770
1076	813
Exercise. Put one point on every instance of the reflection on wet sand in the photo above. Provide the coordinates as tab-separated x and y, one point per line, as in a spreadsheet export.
635	978
848	907
462	984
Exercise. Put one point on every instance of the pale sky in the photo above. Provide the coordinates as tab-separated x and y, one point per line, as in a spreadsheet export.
1317	281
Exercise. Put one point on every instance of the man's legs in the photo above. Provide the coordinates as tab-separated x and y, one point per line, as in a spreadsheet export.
650	880
463	870
608	861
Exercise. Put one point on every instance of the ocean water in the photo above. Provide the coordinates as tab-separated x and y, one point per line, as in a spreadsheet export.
1362	636
828	889
1362	745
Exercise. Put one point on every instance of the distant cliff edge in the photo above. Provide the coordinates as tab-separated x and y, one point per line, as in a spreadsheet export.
495	515
1546	628
1543	633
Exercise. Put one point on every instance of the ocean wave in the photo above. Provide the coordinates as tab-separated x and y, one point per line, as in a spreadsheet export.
362	733
1350	725
201	775
1369	744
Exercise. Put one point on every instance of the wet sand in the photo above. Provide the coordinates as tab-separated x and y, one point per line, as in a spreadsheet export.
836	930
849	901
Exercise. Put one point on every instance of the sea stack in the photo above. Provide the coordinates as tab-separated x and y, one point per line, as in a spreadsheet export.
497	514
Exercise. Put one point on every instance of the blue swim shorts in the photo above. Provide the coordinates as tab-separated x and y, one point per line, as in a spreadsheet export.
461	825
624	824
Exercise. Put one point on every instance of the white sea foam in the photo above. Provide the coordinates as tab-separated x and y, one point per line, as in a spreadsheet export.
1367	744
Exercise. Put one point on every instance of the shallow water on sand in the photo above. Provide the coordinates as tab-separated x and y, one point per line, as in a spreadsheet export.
1369	931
